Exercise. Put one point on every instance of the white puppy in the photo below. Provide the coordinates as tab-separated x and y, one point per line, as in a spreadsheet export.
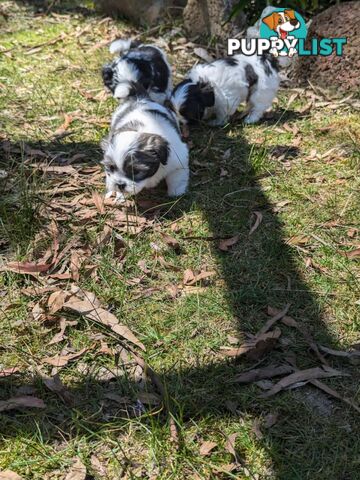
146	65
218	88
144	147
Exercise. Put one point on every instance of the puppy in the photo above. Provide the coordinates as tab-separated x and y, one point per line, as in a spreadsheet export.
218	88
146	65
144	147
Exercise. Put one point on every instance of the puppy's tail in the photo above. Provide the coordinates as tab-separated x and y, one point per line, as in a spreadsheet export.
123	45
128	89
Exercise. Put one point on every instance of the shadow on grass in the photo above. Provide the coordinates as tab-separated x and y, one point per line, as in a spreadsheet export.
258	271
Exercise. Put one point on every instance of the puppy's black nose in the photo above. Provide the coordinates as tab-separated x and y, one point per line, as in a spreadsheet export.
121	186
293	22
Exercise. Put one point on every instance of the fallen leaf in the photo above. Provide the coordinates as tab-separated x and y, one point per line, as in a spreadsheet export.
340	353
291	322
59	337
171	242
64	126
54	384
98	201
353	253
77	471
62	360
277	316
298	240
7	372
25	401
330	391
98	314
230	445
9	475
302	376
203	54
256	347
262	373
190	278
98	467
270	419
174	436
256	429
206	447
259	217
148	398
56	301
26	267
226	244
75	263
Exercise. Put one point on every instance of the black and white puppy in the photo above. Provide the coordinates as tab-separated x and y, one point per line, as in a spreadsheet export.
146	65
217	89
144	147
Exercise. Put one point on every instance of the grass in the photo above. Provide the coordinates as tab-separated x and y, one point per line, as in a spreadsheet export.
284	168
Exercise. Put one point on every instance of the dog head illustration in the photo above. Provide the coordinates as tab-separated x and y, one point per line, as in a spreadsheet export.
282	22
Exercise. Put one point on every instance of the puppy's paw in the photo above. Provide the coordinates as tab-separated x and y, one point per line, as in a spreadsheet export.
274	51
292	52
120	198
251	118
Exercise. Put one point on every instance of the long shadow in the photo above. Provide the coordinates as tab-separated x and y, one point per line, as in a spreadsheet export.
258	271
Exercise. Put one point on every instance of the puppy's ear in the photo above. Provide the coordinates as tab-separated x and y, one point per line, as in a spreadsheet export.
291	14
154	145
271	21
145	157
207	94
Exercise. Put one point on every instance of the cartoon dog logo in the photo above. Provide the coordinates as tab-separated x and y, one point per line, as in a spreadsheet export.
282	23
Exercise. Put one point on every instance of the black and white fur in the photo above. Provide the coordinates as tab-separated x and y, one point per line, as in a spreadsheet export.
144	147
146	65
217	89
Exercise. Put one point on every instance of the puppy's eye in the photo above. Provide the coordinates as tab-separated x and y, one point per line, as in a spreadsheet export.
280	20
110	168
287	18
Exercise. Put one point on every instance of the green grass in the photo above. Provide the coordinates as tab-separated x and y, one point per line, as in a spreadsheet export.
297	193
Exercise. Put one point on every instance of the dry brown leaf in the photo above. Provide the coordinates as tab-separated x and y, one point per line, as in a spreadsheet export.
256	429
171	242
54	384
277	316
77	471
59	337
340	353
26	267
230	445
98	201
62	360
64	126
261	373
148	398
190	278
226	244
206	447
98	314
75	263
174	436
302	376
259	217
298	240
256	347
98	466
353	253
56	301
25	401
9	475
290	322
330	391
7	372
104	237
270	419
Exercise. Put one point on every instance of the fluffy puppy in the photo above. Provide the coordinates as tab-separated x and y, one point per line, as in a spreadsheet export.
218	88
144	147
146	65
